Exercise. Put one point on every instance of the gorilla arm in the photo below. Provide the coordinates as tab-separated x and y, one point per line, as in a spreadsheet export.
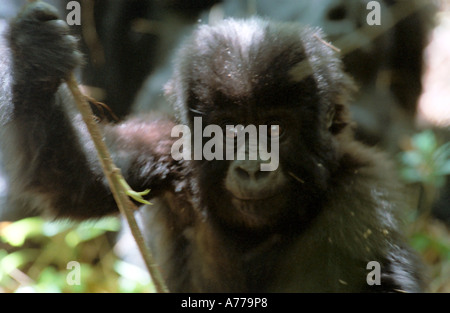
49	155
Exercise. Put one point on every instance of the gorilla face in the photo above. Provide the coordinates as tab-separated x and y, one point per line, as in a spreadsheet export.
254	74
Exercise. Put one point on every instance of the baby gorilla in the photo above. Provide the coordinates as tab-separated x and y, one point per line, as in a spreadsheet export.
313	224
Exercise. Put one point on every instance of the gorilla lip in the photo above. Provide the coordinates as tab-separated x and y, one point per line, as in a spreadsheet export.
254	199
258	207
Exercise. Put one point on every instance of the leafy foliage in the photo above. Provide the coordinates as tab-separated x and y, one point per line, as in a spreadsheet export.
34	254
427	164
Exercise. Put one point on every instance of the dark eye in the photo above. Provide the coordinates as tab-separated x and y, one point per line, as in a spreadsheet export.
275	129
232	130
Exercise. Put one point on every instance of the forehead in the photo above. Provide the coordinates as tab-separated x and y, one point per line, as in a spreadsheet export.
248	62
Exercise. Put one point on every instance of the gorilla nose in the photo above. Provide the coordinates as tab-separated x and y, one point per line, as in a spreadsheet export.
246	181
250	171
248	175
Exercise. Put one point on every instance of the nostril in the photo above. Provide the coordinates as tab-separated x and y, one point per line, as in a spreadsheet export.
247	174
242	173
261	175
338	13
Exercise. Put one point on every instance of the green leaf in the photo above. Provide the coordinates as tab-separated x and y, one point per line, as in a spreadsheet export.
50	281
16	233
139	196
425	142
420	242
17	259
412	158
443	152
442	159
136	196
445	169
411	175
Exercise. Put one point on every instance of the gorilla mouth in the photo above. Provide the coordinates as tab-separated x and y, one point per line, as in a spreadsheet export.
258	210
254	198
258	203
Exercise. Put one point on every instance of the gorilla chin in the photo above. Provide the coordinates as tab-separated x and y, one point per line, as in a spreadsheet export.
258	211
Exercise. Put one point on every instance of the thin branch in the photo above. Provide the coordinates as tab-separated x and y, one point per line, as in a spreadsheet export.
115	179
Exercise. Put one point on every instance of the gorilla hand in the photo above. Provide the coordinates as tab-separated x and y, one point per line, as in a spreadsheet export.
44	52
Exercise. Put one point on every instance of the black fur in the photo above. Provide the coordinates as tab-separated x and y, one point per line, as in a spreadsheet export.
333	205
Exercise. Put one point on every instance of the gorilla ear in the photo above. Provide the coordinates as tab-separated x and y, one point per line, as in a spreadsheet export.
330	118
338	115
174	95
338	118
